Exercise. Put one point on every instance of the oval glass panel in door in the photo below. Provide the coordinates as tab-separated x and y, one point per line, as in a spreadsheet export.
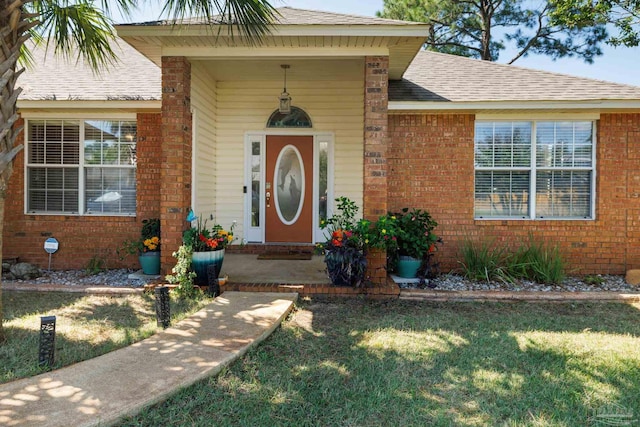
289	184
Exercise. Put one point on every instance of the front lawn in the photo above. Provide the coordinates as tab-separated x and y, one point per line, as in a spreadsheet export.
360	363
86	326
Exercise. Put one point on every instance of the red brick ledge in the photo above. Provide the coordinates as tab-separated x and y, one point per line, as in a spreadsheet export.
388	291
509	296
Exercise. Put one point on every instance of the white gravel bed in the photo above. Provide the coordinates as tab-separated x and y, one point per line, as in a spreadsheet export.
115	277
452	282
447	282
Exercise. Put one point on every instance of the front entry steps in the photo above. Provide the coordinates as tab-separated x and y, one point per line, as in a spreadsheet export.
260	249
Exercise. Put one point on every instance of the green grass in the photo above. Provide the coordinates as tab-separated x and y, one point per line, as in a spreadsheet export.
86	326
361	363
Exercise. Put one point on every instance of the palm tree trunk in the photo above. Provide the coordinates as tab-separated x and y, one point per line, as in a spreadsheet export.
2	335
13	34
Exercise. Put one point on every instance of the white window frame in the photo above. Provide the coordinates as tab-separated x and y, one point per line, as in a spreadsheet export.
533	169
81	118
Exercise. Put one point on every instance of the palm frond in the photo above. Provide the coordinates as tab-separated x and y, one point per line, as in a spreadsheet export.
125	7
254	18
78	29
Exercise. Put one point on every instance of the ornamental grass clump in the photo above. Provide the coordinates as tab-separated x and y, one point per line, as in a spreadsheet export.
484	261
537	262
534	261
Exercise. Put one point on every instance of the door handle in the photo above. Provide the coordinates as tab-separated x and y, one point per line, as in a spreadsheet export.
268	197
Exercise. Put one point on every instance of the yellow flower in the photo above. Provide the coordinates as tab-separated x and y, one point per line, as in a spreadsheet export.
384	231
229	238
152	243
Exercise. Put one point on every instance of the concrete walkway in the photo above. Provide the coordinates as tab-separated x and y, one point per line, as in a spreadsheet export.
101	390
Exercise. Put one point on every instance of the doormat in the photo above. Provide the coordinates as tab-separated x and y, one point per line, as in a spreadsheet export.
302	256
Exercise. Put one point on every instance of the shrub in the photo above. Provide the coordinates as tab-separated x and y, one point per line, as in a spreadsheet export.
533	261
484	261
537	262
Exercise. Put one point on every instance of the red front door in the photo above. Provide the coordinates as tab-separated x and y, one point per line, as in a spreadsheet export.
289	189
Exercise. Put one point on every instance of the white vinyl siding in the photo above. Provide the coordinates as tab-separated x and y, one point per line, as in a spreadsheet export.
203	103
553	160
97	176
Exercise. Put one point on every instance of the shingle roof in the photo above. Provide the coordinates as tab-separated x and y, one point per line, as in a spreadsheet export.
294	16
134	77
440	77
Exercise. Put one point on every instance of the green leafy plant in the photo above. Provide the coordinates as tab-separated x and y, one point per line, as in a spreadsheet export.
410	232
182	274
149	240
95	265
150	235
593	280
205	239
346	245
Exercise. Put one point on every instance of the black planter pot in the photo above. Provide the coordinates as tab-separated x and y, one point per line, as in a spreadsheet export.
346	266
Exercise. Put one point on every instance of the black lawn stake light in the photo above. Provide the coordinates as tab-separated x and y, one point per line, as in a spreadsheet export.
47	348
212	279
163	311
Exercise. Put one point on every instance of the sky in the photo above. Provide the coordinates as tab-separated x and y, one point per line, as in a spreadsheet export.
620	65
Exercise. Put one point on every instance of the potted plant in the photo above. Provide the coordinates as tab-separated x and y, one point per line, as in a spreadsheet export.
147	247
207	246
345	248
410	240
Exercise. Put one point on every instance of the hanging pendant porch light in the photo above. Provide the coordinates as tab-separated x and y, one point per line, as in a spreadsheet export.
285	99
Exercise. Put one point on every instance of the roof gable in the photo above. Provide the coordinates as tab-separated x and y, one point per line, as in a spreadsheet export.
295	16
438	77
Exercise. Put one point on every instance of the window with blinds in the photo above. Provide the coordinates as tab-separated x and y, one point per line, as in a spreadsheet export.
529	170
81	167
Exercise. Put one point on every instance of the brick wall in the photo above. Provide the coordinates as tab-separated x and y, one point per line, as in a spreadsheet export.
175	173
83	237
431	167
376	102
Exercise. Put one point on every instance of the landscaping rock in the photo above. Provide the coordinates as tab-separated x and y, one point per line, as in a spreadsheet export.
5	267
25	271
633	277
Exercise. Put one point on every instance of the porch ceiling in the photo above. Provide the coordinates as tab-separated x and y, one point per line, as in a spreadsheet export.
201	43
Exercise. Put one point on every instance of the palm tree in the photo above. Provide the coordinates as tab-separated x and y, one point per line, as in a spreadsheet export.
84	27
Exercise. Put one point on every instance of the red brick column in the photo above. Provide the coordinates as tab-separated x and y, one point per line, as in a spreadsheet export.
376	102
175	171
